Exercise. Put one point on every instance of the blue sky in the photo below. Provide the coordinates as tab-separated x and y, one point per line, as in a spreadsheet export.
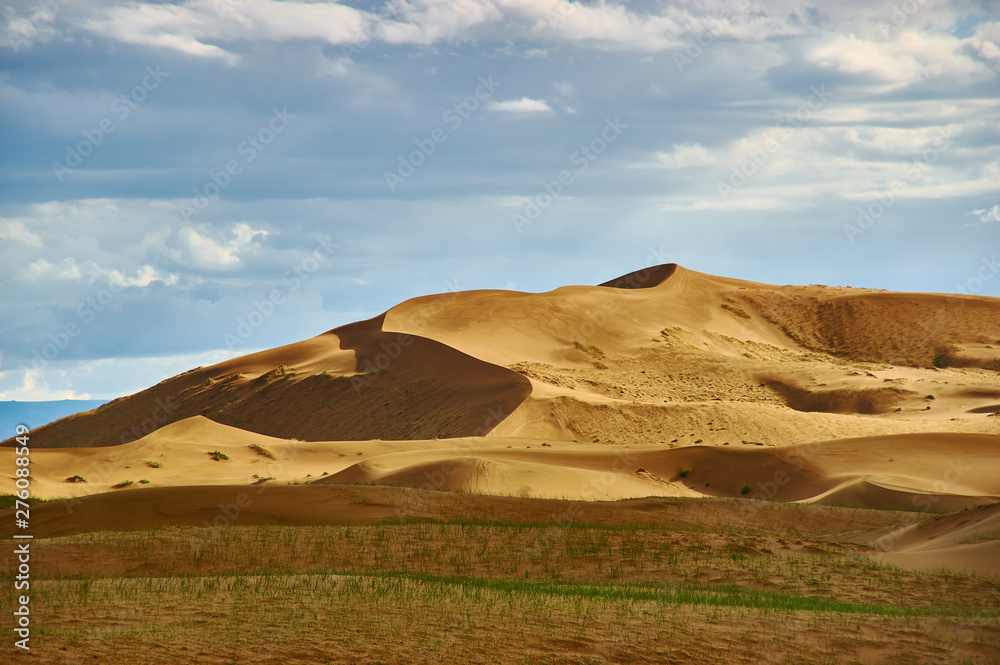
184	182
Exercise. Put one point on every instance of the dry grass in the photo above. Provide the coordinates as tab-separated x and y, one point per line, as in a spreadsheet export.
512	591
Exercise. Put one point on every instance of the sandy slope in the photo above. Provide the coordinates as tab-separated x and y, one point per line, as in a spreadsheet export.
967	540
920	473
650	357
914	472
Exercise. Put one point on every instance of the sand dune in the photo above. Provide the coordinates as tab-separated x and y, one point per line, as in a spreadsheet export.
913	472
662	383
968	540
638	348
355	382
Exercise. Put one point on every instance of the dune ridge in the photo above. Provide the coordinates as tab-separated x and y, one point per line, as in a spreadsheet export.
462	364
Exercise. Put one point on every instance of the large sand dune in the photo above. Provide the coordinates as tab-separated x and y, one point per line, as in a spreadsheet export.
661	383
645	348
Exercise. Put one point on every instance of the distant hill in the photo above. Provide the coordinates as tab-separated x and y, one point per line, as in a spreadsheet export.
36	414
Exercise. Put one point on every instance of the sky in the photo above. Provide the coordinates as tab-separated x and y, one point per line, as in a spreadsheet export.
183	182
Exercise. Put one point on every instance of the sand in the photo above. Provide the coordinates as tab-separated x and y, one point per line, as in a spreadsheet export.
662	383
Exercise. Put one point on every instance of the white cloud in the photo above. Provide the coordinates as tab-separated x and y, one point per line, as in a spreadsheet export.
33	388
208	28
523	105
910	57
200	251
71	270
16	231
192	26
684	156
988	215
986	43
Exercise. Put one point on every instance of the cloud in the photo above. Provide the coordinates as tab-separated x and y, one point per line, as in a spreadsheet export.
195	250
33	388
100	378
684	156
907	59
523	105
565	88
214	28
985	42
191	27
988	215
70	270
16	231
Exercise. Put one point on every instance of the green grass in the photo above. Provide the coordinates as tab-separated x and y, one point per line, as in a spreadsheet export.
218	455
262	451
610	592
9	500
681	594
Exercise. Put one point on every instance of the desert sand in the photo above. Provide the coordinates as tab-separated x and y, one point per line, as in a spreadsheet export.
662	394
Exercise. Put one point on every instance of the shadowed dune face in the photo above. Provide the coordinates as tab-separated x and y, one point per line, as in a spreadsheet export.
870	401
643	279
353	383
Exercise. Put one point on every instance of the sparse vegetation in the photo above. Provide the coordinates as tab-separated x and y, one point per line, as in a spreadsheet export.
388	590
592	351
124	483
261	450
143	482
76	479
683	473
154	465
745	489
218	455
738	311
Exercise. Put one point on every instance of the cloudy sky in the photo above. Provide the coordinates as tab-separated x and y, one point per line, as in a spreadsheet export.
187	181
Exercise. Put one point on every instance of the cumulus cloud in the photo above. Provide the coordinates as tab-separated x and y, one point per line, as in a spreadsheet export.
906	59
71	270
523	105
988	215
985	42
200	251
16	231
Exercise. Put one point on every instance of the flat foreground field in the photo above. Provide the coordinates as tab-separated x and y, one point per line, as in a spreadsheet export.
528	581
